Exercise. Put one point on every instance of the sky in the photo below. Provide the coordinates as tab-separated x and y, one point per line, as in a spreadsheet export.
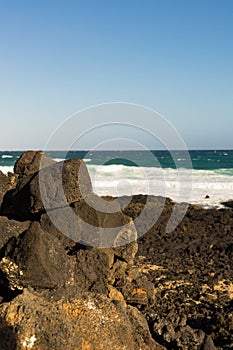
59	57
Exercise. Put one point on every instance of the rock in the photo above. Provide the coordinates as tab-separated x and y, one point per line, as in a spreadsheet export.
8	339
85	225
52	187
34	259
6	184
207	196
31	162
103	224
78	322
98	269
66	224
138	291
142	333
93	269
115	294
191	270
175	332
209	344
228	204
11	228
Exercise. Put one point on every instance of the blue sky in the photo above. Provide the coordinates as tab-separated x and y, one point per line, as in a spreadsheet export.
175	56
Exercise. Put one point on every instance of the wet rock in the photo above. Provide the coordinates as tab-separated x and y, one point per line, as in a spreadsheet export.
78	322
11	228
52	187
31	162
34	259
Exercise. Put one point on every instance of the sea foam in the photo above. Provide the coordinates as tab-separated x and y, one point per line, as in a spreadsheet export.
181	185
6	156
6	169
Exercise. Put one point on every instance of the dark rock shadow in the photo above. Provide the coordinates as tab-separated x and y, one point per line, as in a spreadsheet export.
8	338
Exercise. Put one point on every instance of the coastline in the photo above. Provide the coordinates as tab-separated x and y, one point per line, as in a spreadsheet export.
180	282
201	188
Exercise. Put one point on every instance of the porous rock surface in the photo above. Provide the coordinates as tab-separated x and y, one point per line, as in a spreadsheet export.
78	321
166	289
54	186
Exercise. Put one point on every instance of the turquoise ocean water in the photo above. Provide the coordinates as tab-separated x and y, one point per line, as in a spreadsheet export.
218	161
208	173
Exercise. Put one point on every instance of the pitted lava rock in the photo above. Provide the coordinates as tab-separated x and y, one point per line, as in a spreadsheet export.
166	289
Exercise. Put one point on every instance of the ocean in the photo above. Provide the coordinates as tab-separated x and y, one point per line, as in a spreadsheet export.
207	180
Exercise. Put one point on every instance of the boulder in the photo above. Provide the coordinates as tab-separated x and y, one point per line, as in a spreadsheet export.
77	321
31	162
97	268
52	187
34	259
66	224
102	224
82	223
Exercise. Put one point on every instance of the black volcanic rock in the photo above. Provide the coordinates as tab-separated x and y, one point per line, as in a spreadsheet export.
34	259
52	187
31	162
228	204
6	184
181	281
11	228
93	269
66	225
103	224
191	269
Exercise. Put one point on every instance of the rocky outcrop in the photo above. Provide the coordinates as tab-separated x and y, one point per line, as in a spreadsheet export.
49	269
191	271
103	224
31	162
78	277
77	320
54	186
34	259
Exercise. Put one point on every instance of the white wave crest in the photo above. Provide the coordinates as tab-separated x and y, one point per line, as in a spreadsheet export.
117	180
6	156
6	169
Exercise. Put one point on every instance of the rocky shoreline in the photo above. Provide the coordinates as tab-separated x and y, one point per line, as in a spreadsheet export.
160	291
